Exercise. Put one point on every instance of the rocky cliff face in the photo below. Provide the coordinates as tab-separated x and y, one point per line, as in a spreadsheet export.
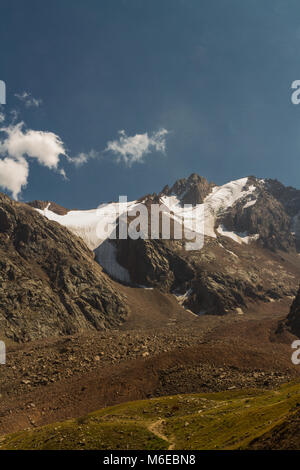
293	319
217	279
269	213
49	281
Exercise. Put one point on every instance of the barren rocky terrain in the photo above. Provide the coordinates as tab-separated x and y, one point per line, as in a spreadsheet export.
60	378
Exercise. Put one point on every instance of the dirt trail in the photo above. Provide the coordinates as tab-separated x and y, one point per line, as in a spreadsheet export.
155	429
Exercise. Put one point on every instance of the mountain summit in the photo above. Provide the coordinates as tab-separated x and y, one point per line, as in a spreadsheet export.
191	190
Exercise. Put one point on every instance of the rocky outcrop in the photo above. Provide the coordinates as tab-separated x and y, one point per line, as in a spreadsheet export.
154	263
49	281
293	319
264	216
192	190
288	196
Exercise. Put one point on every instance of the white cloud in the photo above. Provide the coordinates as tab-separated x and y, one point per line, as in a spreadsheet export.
13	175
28	99
20	144
134	149
83	157
46	147
62	172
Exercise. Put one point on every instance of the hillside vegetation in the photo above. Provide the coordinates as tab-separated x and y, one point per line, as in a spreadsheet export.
227	420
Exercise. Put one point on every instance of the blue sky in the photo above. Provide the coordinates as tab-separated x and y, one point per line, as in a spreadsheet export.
215	74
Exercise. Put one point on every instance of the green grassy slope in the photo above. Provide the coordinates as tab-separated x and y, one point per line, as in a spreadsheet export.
225	420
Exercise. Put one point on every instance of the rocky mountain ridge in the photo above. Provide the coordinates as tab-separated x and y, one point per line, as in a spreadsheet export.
249	252
191	190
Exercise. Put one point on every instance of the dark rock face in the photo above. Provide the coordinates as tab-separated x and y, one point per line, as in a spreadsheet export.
266	218
288	196
293	319
271	216
210	280
154	263
191	190
49	281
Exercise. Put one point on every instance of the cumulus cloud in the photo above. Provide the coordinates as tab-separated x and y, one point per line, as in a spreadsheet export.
129	149
13	175
46	147
2	117
28	99
19	145
132	149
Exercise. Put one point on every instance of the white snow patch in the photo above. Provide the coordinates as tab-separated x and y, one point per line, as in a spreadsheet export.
86	223
106	255
218	201
96	225
228	251
239	311
231	253
182	297
93	226
238	237
250	203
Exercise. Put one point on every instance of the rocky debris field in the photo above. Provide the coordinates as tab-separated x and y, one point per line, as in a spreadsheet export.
61	378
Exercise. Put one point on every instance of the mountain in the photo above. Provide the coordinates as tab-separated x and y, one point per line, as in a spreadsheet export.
192	190
251	235
103	320
49	281
52	283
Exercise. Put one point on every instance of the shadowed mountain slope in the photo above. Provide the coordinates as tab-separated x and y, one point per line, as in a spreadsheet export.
49	281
